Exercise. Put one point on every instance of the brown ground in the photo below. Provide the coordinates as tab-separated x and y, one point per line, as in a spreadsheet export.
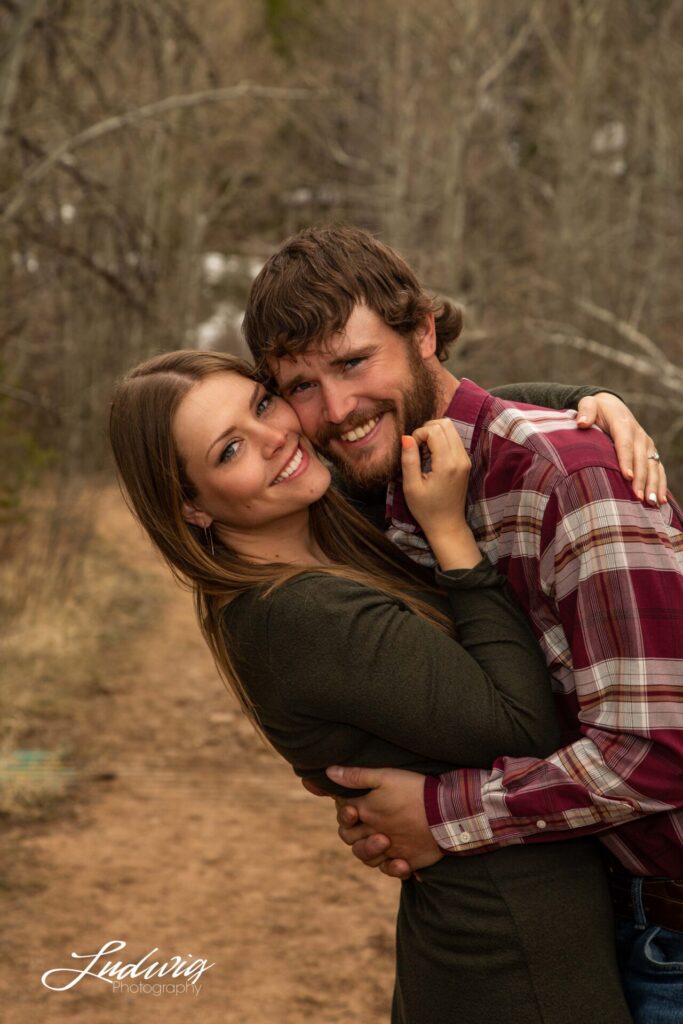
204	844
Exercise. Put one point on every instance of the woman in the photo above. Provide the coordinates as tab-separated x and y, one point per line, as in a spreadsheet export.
342	650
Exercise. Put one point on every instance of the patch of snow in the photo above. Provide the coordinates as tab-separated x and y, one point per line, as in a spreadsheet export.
609	138
214	331
67	212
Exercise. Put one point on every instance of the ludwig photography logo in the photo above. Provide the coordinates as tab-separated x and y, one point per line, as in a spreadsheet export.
132	978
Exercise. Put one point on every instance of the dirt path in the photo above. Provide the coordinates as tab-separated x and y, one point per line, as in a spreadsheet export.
203	845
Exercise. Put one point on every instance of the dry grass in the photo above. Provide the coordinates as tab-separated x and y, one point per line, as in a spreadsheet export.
68	603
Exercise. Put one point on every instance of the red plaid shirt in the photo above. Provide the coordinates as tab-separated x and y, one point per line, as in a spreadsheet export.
600	576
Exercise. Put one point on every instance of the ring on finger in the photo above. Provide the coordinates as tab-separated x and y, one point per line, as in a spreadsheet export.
655	455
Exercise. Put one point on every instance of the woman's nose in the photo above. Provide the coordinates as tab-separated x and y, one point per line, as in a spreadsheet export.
273	439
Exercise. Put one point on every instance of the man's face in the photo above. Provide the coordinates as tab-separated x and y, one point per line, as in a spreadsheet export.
357	393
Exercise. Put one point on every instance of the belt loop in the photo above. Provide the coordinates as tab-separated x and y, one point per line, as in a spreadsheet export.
638	908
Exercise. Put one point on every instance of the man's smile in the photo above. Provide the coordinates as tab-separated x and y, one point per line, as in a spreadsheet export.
364	432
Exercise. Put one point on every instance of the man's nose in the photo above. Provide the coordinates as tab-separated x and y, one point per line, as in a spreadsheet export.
338	403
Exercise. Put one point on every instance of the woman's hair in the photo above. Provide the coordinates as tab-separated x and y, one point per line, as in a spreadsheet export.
155	483
307	290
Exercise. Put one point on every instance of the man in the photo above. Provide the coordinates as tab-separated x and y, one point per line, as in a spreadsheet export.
356	346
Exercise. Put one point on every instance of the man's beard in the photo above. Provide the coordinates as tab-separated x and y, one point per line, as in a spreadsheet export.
418	404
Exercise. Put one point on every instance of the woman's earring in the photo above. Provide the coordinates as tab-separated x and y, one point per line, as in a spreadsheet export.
209	540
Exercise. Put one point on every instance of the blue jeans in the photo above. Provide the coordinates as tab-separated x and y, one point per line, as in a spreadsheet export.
651	964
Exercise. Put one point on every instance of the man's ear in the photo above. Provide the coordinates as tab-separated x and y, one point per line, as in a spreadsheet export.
426	336
195	516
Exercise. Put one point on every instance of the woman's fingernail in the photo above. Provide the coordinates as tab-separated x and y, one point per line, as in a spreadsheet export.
652	497
582	419
629	474
406	441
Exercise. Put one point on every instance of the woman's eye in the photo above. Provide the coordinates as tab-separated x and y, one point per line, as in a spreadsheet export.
264	404
229	452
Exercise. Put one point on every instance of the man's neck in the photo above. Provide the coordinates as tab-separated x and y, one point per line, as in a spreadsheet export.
447	385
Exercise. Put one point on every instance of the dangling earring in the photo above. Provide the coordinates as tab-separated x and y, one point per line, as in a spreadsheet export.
209	540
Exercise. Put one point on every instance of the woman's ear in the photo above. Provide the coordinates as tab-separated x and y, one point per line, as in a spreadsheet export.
195	516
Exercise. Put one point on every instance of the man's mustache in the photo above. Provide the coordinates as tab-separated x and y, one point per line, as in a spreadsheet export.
332	431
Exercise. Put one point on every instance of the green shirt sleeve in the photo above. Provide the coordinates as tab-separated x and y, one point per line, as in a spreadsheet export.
322	649
547	395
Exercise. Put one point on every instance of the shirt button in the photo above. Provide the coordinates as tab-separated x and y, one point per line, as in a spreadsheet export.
465	837
541	823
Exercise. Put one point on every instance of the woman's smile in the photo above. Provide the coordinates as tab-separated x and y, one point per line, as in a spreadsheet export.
295	467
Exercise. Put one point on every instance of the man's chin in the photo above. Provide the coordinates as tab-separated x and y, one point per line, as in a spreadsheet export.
365	473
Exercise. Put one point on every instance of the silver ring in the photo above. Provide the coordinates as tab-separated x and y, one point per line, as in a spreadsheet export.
655	456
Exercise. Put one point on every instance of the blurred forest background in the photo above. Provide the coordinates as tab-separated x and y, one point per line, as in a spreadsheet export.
524	155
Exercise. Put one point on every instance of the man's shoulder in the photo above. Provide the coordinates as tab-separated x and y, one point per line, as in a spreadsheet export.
545	439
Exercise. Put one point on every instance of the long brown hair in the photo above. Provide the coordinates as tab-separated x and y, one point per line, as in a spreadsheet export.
307	289
155	483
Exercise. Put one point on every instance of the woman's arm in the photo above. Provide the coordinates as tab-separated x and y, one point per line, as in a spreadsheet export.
547	394
339	652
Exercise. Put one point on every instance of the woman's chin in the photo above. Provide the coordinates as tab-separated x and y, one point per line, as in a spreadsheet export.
322	482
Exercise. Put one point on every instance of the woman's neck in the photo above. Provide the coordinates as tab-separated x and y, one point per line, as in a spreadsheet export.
285	541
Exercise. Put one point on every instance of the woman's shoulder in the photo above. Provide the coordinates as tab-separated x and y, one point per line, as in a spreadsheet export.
319	596
304	588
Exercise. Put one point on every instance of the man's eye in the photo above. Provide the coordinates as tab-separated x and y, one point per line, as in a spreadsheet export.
303	386
351	364
229	452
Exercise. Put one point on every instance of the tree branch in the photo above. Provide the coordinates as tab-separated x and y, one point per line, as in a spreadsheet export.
130	117
622	327
635	363
28	398
500	65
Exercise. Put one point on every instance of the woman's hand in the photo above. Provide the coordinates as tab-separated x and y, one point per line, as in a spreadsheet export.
437	498
635	448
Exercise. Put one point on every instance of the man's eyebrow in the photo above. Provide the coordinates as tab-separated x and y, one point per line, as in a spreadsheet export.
252	403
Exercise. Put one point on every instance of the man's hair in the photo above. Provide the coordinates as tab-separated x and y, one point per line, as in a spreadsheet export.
307	290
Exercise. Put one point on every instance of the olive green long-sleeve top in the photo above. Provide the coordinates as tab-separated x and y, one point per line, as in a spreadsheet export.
341	673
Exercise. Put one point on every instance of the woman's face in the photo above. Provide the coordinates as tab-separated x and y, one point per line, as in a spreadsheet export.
244	452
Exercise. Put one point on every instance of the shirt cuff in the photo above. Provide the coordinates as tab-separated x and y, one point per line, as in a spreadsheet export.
455	812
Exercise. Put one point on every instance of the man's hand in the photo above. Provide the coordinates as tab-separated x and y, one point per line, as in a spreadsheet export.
394	808
632	443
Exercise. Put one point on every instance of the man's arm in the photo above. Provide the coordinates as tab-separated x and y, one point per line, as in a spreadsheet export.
615	570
